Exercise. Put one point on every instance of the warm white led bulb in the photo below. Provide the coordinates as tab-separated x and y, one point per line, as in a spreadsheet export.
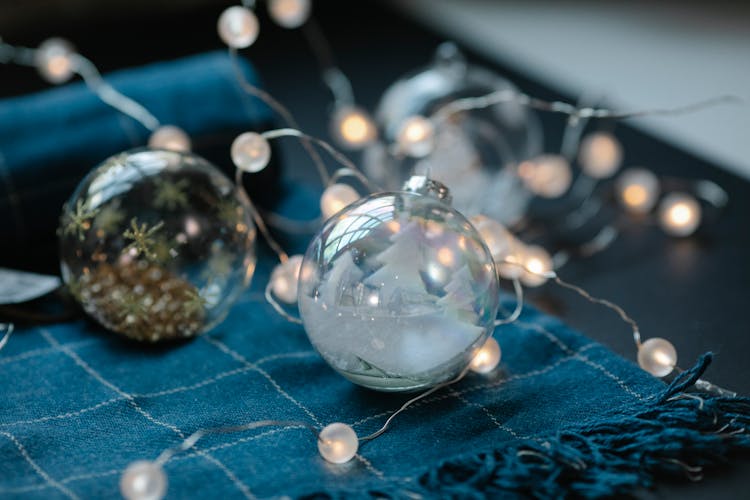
548	176
335	198
251	152
171	138
510	266
637	190
495	236
657	356
338	443
289	13
54	60
416	136
536	263
600	155
487	358
352	127
285	279
143	480
238	27
679	214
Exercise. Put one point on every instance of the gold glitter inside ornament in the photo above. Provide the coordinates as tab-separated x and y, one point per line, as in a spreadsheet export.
156	244
142	301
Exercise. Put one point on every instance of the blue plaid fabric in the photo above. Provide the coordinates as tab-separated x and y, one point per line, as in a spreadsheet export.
562	415
80	404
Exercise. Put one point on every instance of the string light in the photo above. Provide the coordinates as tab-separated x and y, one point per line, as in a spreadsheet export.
238	27
536	263
487	358
352	127
657	356
600	155
54	60
285	278
289	13
170	137
548	176
335	198
143	480
498	239
338	443
416	136
511	266
251	152
637	190
679	214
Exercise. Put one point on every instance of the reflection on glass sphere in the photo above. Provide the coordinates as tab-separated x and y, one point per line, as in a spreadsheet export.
398	292
156	244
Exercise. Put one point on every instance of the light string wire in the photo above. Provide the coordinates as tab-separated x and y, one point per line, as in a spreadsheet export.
349	169
196	436
413	400
262	227
577	118
573	111
8	328
702	384
86	69
91	76
513	317
280	109
268	294
333	77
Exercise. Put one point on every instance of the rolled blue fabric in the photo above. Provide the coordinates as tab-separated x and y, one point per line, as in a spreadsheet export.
50	140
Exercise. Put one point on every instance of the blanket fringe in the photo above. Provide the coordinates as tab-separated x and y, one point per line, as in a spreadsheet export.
674	433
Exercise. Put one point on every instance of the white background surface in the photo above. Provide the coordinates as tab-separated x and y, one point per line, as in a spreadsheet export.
636	54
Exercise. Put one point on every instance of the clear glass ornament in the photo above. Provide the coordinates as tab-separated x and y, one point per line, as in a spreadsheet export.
156	244
398	291
475	153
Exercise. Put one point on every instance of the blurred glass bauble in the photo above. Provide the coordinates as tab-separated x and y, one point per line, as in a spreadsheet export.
475	153
156	244
398	291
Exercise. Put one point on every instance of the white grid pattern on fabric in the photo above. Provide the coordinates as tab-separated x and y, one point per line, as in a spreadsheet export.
571	355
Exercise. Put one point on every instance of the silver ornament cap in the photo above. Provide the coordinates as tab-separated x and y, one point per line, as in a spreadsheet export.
423	185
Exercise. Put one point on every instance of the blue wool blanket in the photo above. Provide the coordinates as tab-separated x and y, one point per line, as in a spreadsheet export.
562	416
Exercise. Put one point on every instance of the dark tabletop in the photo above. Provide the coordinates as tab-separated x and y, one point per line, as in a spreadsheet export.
692	291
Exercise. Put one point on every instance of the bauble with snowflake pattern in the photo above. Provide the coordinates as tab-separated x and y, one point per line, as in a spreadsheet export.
156	244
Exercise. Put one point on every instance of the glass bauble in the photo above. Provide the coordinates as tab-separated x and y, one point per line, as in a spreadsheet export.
398	291
475	153
156	244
